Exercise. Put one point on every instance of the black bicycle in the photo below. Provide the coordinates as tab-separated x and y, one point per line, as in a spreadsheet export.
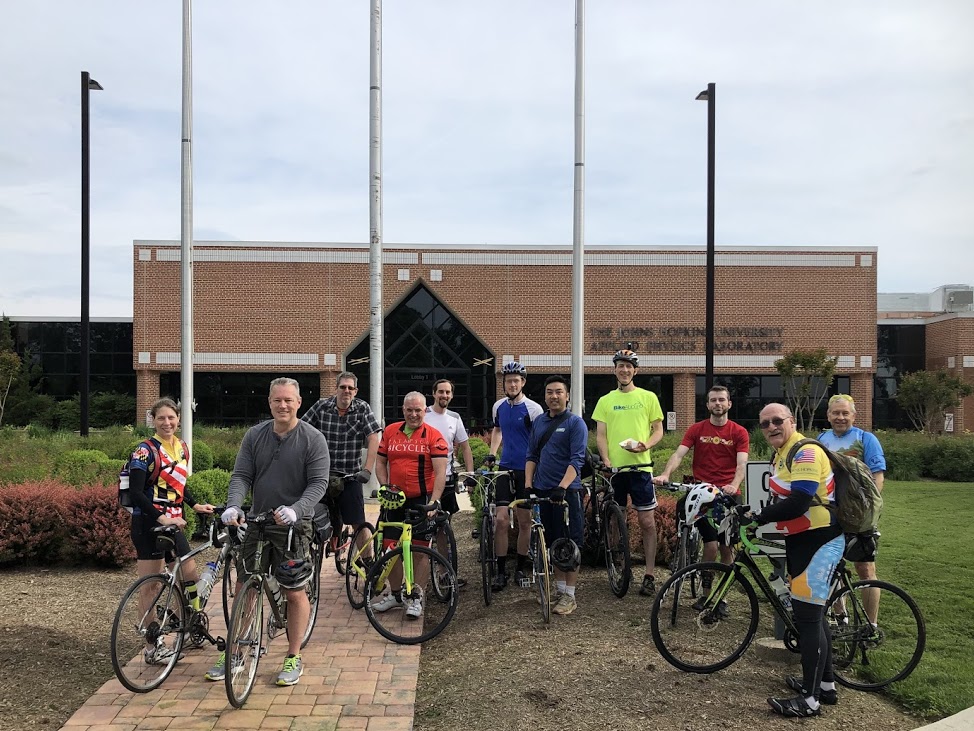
487	484
606	532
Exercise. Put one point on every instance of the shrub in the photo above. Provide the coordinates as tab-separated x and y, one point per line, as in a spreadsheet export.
225	455
904	461
950	458
108	409
66	415
760	449
86	467
98	530
34	518
665	529
479	448
202	456
209	486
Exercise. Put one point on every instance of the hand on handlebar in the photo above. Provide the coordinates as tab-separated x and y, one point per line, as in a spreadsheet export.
469	483
233	516
204	508
661	479
169	520
363	476
558	495
285	516
490	460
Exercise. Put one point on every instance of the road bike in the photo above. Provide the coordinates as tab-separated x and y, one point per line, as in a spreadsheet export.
689	545
606	532
155	620
538	550
865	657
487	485
245	644
439	596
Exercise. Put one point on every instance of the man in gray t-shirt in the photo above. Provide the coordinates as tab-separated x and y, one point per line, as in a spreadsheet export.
283	466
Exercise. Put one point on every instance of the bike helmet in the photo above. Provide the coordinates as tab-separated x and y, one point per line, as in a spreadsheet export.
391	497
294	573
627	355
698	499
514	368
565	555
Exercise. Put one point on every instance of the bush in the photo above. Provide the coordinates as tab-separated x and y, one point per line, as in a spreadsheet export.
98	530
950	458
904	461
202	456
225	456
209	486
34	517
665	529
109	409
479	448
86	467
66	415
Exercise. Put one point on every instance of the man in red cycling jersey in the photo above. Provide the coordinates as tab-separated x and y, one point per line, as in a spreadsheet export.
412	455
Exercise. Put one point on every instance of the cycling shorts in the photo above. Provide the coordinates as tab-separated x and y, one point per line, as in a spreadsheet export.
506	492
811	563
862	547
636	485
448	500
145	541
422	533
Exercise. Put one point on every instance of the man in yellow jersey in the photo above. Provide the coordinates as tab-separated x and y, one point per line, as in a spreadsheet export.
629	421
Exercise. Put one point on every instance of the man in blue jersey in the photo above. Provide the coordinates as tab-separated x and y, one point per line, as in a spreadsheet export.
513	417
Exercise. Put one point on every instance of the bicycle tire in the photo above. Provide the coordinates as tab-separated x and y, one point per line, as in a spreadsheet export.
344	546
441	589
488	564
162	623
245	640
694	549
393	624
618	562
592	545
229	586
703	641
870	659
354	580
313	590
542	576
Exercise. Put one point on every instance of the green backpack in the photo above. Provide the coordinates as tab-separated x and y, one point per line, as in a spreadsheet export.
858	502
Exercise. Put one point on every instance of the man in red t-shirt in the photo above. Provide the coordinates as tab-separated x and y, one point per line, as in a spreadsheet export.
412	455
720	447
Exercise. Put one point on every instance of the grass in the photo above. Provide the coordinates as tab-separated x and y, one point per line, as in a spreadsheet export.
925	529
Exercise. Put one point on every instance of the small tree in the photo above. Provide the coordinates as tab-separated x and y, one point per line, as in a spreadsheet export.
9	363
805	378
925	396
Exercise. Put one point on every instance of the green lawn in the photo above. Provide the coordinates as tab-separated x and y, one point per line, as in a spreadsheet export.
926	529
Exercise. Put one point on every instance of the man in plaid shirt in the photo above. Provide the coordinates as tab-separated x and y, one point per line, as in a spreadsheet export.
348	424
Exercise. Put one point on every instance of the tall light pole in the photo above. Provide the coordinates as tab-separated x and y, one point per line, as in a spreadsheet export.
87	84
376	345
709	95
187	343
578	220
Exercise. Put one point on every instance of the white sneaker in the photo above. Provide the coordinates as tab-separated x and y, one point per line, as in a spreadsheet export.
414	608
389	601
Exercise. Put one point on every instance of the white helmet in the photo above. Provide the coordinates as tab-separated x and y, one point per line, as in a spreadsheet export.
699	497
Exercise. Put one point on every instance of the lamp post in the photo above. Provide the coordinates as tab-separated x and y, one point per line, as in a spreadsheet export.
87	84
709	95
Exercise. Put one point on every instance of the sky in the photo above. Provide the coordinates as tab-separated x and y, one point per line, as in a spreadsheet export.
838	123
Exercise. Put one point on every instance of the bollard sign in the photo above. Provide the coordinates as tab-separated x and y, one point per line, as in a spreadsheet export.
757	494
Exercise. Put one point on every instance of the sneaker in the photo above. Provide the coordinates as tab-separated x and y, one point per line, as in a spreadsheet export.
499	582
700	604
293	669
521	579
461	582
219	670
159	655
554	600
826	697
389	601
648	587
566	605
796	707
723	611
414	608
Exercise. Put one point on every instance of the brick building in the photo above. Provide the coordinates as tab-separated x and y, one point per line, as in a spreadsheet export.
263	309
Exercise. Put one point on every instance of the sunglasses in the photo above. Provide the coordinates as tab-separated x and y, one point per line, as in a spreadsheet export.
347	388
777	421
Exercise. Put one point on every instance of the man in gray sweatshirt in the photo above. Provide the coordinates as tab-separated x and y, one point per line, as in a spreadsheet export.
282	466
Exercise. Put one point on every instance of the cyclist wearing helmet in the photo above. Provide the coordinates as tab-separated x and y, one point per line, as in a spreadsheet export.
632	416
283	465
553	469
513	417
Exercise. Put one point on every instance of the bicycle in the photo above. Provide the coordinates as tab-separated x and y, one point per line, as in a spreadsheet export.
245	635
487	484
155	618
396	625
341	541
606	531
688	542
704	641
538	550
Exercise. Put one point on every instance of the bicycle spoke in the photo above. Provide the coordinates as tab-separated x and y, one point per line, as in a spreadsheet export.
618	561
244	640
488	567
357	564
147	633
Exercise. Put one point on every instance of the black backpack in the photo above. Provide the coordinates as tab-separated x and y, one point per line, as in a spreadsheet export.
858	502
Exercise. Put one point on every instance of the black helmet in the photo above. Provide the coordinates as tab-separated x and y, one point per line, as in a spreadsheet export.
565	555
294	573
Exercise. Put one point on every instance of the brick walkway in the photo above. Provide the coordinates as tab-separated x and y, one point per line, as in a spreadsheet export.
353	679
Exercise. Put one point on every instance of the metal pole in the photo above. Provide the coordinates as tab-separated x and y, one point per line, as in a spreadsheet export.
578	222
376	346
87	83
711	98
186	236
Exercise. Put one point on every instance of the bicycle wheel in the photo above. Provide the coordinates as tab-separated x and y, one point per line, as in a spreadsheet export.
229	586
147	634
591	539
618	561
344	544
313	589
708	639
542	576
488	566
245	637
393	623
870	658
355	576
445	539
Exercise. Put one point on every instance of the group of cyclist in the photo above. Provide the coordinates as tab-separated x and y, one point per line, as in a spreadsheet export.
288	465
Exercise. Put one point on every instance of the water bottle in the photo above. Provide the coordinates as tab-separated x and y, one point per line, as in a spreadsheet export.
781	589
124	496
207	579
275	589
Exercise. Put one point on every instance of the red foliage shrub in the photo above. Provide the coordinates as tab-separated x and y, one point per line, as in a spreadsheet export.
98	529
665	529
33	516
